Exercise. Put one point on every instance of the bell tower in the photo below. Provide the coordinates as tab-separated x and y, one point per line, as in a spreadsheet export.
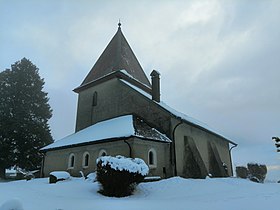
116	61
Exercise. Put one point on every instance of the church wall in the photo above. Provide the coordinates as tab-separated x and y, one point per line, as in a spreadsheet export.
114	98
57	160
201	139
162	168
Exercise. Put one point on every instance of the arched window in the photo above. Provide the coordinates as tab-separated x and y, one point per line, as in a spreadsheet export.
85	160
71	161
94	99
152	158
102	153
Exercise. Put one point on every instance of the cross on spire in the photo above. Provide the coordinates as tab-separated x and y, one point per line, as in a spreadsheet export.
119	24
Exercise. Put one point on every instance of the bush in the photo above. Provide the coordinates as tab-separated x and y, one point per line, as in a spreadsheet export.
119	176
257	172
57	176
242	172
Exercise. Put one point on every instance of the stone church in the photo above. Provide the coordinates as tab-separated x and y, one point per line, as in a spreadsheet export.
120	113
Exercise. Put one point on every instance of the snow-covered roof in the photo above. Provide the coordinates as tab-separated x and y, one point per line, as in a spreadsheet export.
178	114
123	126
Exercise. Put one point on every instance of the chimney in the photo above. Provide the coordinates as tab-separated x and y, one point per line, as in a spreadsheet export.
155	85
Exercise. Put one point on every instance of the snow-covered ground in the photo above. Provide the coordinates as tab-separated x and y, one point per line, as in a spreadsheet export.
175	193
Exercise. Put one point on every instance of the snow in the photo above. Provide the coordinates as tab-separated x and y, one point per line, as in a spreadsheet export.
61	174
175	193
120	163
11	171
91	177
117	127
114	128
13	204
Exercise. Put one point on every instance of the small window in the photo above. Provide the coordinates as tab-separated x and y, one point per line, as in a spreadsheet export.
94	99
152	158
71	161
85	160
102	153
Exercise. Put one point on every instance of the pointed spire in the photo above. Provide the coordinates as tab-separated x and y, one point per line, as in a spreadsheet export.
118	55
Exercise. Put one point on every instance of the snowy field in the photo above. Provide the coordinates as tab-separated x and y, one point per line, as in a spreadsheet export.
171	194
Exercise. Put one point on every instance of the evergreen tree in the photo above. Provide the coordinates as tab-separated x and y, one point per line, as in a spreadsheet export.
24	115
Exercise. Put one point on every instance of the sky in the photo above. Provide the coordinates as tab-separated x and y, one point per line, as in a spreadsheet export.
219	60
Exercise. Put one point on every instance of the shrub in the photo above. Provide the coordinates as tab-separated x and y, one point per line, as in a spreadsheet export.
257	172
57	176
119	176
242	172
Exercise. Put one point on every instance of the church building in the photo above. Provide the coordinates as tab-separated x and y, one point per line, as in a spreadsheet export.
120	113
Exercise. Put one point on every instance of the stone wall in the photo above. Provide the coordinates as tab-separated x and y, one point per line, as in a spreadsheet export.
212	150
116	98
58	160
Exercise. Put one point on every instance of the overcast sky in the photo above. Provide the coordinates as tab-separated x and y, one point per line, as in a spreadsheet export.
219	60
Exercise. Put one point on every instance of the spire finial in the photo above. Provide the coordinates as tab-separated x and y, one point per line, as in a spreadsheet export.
119	24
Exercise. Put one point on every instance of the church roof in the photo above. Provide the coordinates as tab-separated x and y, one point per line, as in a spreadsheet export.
117	55
183	117
116	128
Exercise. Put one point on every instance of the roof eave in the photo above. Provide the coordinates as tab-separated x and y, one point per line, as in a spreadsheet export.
115	74
103	141
88	143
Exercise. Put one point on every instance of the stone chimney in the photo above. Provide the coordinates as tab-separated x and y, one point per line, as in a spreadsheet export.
155	85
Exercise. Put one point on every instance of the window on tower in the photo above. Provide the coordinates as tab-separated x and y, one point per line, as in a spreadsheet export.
94	99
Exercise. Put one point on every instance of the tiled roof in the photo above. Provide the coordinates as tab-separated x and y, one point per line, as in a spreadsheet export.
117	55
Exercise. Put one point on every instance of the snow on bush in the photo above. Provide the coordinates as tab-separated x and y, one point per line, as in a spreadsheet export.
121	163
91	177
60	174
119	176
56	176
13	204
